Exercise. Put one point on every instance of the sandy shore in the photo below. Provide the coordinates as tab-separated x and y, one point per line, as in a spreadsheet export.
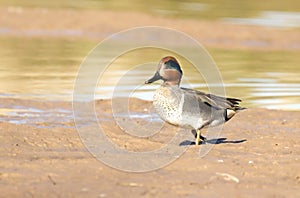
259	157
97	25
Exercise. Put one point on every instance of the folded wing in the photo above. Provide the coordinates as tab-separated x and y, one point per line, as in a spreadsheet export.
217	102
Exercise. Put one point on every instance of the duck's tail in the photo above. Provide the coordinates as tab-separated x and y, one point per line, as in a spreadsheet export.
234	108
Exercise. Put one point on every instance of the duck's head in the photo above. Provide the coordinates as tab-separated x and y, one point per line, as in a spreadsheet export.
168	70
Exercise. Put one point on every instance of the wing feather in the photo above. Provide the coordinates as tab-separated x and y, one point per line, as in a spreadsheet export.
217	102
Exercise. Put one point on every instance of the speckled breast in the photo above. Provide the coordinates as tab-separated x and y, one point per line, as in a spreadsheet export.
166	102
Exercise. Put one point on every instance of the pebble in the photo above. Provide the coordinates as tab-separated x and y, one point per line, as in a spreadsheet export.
133	184
228	177
102	195
84	189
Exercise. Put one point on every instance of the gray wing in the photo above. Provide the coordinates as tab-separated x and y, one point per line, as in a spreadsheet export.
217	102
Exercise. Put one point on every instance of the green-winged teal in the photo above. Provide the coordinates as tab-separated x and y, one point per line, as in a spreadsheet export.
187	107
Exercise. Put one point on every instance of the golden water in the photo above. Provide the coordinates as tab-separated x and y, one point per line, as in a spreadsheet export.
46	69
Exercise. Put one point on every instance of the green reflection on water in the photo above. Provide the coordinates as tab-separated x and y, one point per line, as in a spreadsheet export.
39	66
261	78
256	64
47	68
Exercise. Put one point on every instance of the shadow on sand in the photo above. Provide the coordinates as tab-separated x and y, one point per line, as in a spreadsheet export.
213	141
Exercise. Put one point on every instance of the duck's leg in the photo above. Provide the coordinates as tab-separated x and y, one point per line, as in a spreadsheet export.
198	135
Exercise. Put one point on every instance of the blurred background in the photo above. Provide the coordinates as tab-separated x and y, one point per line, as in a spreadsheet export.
255	44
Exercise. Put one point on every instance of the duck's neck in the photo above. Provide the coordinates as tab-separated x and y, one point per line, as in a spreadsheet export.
171	83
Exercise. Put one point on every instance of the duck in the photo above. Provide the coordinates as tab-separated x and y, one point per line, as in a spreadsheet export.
188	108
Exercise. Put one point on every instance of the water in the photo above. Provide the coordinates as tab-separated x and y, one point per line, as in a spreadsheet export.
40	118
34	69
271	19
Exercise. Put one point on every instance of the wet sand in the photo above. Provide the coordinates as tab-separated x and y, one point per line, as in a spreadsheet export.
257	154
